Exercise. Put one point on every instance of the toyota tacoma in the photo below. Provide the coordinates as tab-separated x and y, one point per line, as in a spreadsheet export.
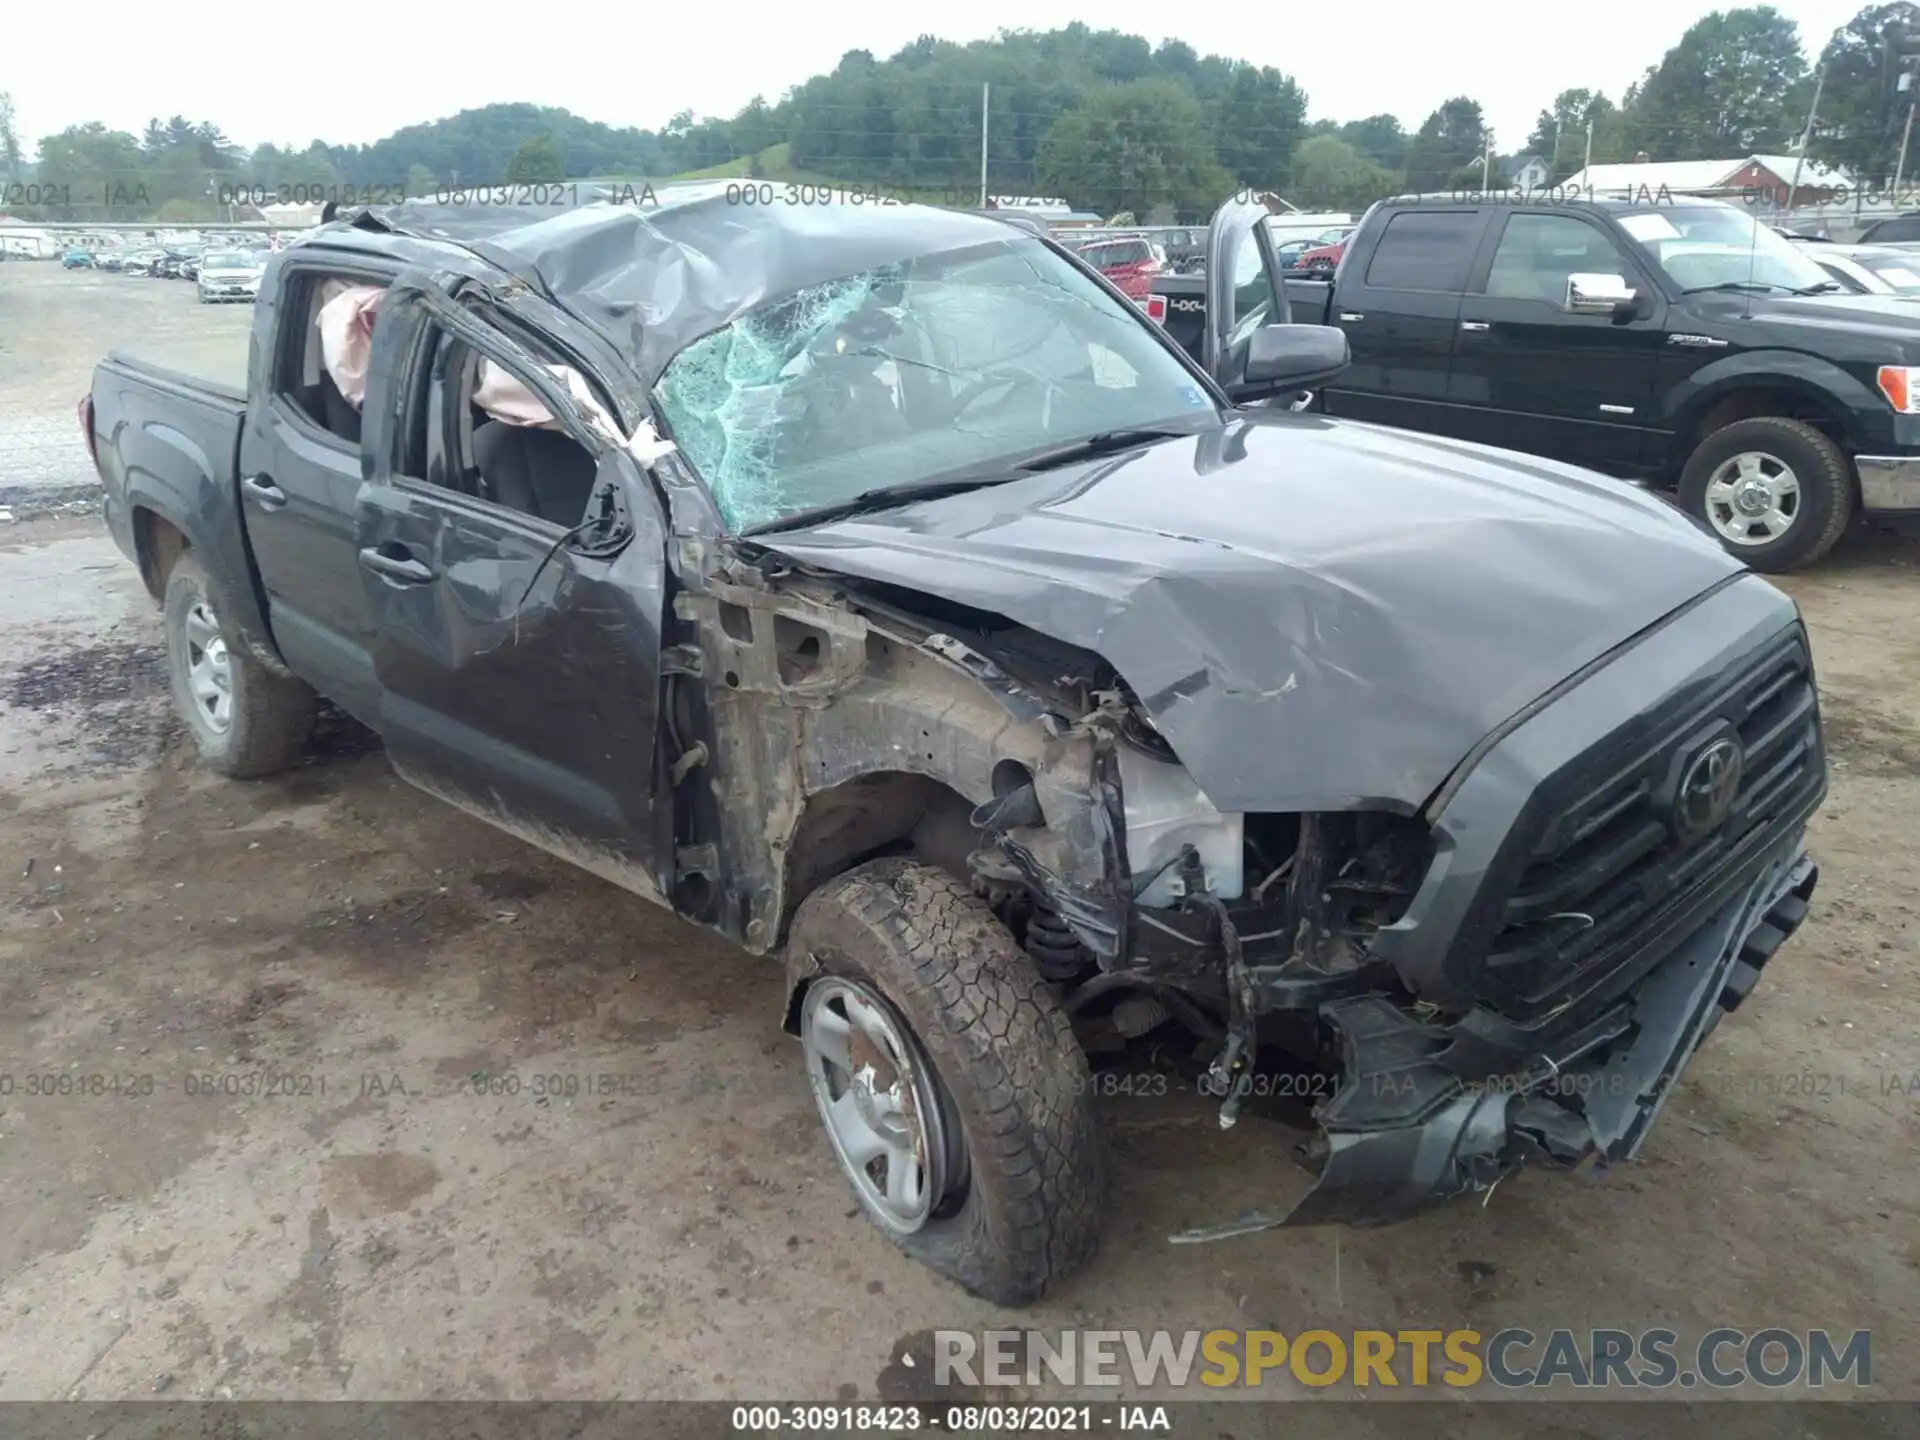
880	588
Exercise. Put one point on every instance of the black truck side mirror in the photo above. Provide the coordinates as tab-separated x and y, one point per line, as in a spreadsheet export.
1296	355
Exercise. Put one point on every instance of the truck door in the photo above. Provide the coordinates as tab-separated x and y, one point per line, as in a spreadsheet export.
1243	288
299	474
1400	307
1528	373
516	576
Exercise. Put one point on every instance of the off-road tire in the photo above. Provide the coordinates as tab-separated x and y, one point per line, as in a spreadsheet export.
1004	1052
1826	488
273	714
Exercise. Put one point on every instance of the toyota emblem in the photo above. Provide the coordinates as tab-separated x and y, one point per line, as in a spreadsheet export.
1707	789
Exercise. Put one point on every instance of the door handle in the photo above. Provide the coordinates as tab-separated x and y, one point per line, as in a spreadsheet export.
401	568
1347	317
267	494
1473	324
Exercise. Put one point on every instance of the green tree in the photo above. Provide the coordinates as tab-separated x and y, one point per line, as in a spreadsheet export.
10	152
1256	124
1560	134
1133	146
102	172
185	212
537	159
1447	146
1331	174
420	182
755	128
1732	87
1379	136
1861	109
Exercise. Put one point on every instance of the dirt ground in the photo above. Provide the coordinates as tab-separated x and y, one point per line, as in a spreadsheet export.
534	1138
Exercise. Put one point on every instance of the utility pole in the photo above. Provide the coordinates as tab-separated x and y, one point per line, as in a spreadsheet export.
1486	167
1806	138
1908	58
1900	168
1587	164
985	88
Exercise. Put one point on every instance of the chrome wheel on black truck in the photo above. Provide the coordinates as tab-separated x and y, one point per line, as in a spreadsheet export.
949	1082
1775	492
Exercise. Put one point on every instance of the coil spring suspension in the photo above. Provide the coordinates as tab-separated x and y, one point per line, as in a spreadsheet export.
1054	949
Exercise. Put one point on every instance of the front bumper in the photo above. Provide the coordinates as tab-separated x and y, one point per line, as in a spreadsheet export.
1571	1110
1889	483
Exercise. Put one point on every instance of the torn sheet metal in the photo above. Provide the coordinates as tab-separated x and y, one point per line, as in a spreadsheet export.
654	280
1317	615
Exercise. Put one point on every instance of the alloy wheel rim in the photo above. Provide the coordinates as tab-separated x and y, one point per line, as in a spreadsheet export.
209	668
875	1089
1752	498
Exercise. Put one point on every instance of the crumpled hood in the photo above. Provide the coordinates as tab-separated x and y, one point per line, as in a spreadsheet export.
1318	614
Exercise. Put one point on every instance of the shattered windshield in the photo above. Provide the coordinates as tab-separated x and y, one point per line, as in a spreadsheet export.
947	363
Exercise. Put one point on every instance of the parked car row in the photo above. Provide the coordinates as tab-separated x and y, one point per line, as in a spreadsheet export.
231	273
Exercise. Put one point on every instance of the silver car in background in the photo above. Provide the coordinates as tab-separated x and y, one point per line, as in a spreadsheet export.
231	275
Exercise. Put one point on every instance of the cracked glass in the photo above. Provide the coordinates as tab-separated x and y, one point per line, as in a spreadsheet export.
890	377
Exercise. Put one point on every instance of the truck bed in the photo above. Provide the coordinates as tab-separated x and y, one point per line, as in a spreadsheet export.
169	443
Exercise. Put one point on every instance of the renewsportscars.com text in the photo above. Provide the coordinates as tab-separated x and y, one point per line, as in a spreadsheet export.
1721	1359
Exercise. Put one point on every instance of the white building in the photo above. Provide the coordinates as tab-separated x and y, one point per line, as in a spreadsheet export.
1760	180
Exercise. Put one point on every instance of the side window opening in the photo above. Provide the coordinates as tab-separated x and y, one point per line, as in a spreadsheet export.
1425	250
1538	253
1253	295
323	362
499	442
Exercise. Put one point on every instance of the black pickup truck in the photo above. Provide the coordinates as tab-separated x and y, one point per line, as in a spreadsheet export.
880	588
1677	343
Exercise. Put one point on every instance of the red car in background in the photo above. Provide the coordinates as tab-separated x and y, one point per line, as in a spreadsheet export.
1129	261
1320	264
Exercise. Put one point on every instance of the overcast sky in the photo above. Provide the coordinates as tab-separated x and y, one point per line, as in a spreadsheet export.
273	72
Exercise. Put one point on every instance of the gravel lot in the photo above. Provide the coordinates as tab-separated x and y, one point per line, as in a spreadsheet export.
666	1221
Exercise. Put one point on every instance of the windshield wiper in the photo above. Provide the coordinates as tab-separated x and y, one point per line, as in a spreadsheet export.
881	497
1741	285
1105	443
1825	287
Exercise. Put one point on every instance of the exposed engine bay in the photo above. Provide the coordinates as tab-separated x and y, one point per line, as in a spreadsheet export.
1252	953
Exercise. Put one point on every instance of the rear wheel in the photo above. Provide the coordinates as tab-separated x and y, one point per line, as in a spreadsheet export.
949	1082
246	720
1775	492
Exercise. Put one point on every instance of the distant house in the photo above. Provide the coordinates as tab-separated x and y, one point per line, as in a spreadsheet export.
1531	172
1761	181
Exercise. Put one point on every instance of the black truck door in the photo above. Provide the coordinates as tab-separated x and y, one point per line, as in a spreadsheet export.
1400	307
299	474
518	602
1532	374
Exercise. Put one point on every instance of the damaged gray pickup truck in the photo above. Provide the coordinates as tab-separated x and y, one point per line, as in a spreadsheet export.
878	587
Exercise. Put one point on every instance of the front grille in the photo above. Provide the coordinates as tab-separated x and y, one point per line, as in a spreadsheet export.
1613	852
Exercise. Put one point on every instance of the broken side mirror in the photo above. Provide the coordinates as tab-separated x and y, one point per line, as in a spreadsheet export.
1295	356
1598	295
608	524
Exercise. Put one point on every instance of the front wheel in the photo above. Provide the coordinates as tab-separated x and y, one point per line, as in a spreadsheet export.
1775	492
952	1090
